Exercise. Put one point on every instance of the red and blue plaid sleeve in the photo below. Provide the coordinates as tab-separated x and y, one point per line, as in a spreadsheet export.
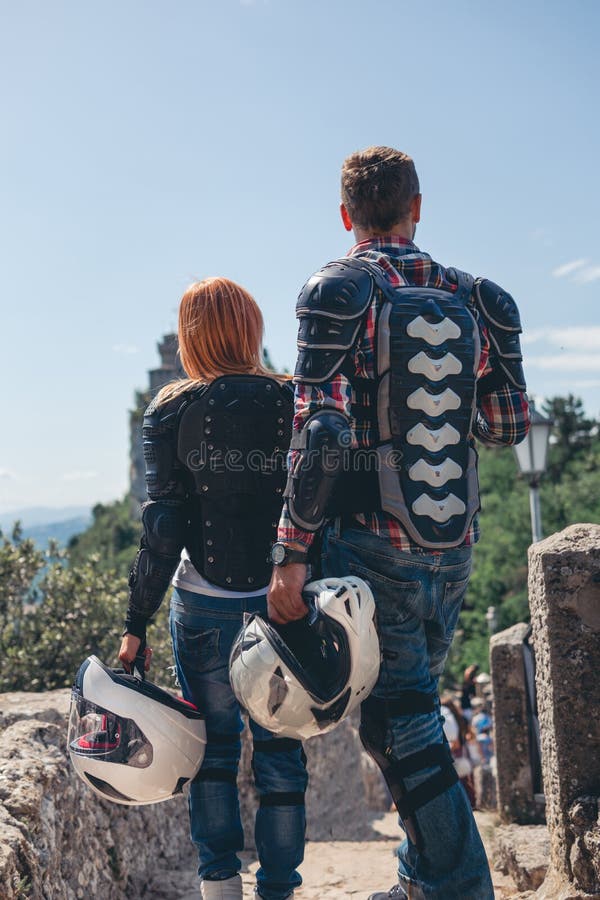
502	417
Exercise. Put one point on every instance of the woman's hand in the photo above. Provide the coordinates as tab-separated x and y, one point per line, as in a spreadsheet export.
128	651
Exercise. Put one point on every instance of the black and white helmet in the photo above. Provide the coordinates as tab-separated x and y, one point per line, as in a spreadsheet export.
301	679
130	741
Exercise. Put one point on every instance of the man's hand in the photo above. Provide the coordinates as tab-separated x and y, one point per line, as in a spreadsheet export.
284	597
128	651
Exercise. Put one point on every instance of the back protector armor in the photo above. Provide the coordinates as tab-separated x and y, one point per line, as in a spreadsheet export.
427	349
233	439
427	358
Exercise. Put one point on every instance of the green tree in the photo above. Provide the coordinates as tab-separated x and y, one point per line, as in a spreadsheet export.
570	493
113	536
572	433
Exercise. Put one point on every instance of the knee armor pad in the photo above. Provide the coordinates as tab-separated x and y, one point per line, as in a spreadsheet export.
375	714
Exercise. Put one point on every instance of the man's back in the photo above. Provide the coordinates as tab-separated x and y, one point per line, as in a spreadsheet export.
501	417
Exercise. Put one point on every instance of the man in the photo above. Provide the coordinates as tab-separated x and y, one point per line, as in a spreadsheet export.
402	363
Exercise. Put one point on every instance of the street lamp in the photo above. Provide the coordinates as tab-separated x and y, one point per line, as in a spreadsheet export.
531	458
492	619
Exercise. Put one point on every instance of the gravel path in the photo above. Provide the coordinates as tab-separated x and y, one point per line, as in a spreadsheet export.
335	870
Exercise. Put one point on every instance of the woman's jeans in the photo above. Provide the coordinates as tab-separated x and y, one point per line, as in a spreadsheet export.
203	629
418	599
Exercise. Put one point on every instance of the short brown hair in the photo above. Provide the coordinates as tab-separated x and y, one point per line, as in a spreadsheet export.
378	185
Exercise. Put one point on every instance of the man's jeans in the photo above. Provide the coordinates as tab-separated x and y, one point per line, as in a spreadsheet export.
418	599
203	629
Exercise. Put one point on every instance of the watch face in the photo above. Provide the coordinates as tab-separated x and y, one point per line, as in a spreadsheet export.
278	554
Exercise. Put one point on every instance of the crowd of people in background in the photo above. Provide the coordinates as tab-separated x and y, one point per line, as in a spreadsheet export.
468	726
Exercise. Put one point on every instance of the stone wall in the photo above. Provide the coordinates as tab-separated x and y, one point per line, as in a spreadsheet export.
58	841
564	596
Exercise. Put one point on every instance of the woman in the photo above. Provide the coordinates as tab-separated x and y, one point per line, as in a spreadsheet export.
456	730
215	446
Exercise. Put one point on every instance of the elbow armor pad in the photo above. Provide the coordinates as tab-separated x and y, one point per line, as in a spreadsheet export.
500	315
331	309
323	442
164	528
148	580
157	559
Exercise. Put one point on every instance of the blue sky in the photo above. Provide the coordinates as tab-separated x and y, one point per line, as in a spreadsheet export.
147	144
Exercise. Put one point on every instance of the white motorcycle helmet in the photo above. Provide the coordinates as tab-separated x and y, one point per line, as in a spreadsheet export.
130	741
303	678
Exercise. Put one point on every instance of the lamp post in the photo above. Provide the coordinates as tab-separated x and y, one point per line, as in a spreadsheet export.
492	619
531	458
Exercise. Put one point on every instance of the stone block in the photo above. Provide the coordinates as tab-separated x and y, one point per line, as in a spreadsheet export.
564	596
516	802
523	852
486	794
58	841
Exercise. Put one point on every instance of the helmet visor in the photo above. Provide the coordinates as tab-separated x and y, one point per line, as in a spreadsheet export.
316	650
97	733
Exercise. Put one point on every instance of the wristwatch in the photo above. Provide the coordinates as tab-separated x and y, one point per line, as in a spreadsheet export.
282	555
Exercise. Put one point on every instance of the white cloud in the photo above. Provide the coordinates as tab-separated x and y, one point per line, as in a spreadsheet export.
580	270
125	348
568	268
7	475
585	276
568	337
79	476
566	362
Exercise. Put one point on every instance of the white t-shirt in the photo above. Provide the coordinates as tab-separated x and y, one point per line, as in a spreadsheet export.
451	729
188	578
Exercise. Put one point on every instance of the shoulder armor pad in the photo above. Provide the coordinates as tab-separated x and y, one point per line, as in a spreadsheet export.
500	315
163	416
330	308
159	443
497	307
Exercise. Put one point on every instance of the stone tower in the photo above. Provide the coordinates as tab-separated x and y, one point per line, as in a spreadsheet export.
169	369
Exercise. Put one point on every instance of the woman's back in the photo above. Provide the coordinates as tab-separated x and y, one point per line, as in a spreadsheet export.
221	448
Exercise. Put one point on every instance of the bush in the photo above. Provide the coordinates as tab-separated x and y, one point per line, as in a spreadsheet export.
53	615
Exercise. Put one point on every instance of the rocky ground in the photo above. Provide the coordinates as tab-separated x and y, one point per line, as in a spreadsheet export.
58	842
334	870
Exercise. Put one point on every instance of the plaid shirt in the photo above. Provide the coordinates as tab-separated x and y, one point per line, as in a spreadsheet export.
501	418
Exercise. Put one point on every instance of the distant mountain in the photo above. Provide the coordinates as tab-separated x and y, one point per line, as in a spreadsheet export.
60	531
42	515
41	523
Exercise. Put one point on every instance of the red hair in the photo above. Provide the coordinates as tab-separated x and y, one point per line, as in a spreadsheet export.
220	333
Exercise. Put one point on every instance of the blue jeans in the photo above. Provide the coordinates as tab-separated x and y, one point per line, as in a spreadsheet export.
418	599
203	629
